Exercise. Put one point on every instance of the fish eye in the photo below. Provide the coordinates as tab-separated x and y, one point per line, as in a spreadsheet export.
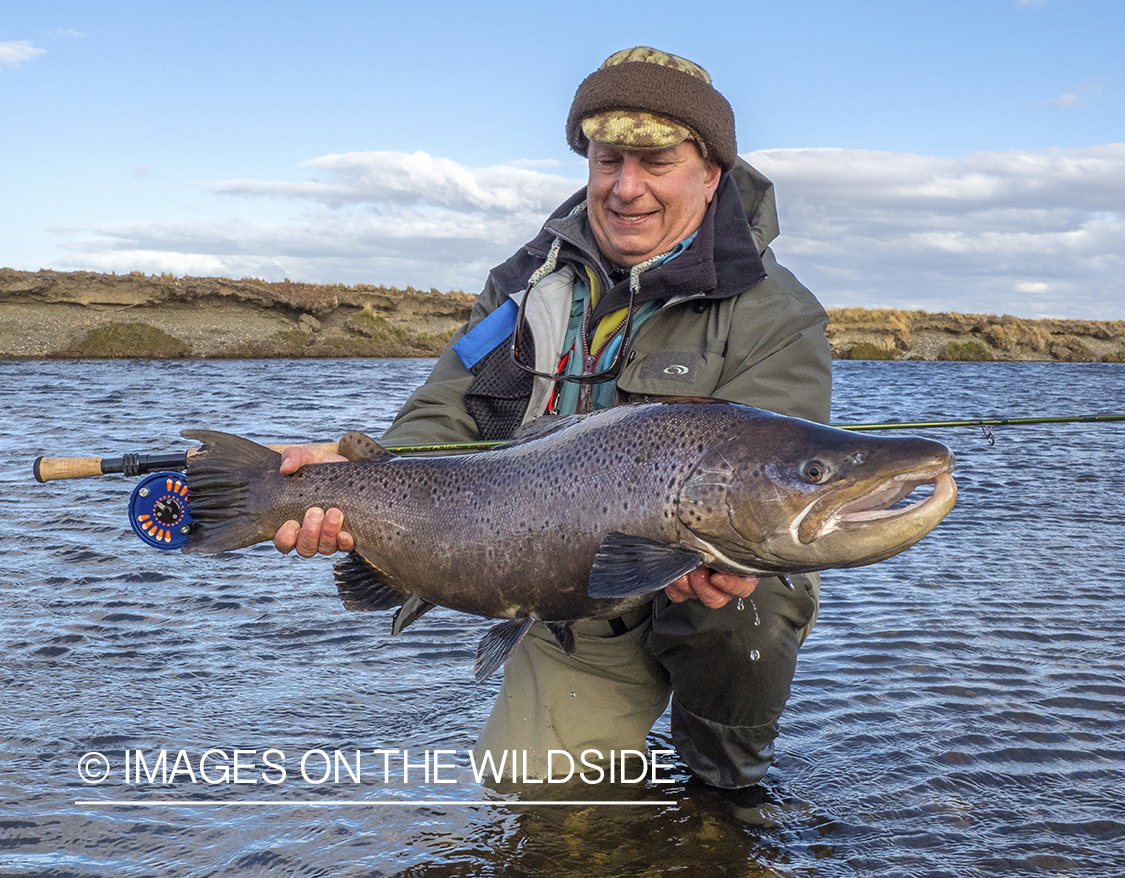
815	472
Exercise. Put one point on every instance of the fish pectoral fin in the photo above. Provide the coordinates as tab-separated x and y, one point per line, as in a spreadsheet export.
409	612
495	647
361	586
564	634
358	446
627	565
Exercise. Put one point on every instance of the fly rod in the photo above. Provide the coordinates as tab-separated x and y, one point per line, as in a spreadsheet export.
982	422
48	469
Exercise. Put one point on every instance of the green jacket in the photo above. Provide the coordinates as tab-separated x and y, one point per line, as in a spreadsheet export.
747	328
734	325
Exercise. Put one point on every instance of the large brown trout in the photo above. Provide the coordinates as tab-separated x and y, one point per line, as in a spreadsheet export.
583	517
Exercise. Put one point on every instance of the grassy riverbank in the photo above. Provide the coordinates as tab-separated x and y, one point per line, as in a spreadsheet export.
58	315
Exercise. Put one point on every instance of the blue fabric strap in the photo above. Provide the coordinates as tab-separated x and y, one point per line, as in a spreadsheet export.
487	335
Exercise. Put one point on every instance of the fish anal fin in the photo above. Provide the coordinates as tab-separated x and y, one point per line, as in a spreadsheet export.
409	612
361	447
564	634
628	565
361	586
497	644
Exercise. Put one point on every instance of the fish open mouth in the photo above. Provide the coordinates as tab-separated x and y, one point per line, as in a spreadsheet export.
880	504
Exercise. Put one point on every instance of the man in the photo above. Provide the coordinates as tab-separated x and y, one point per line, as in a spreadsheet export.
654	281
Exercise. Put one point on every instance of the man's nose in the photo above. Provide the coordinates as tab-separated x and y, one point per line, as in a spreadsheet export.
630	180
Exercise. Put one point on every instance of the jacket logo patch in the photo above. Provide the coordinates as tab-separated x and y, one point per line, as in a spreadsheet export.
671	366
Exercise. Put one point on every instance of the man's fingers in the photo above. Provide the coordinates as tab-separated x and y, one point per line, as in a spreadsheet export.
710	595
679	591
713	589
286	537
330	532
292	459
308	540
319	533
688	587
733	585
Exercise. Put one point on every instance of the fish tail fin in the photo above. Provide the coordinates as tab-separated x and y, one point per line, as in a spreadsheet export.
227	480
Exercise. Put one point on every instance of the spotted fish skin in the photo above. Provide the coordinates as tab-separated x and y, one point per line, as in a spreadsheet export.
637	494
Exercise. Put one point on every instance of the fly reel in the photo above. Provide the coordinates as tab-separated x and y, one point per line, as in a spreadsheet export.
159	512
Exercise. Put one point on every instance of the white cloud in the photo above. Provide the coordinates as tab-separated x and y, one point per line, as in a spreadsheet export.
1076	97
1065	101
15	52
373	217
1026	232
379	179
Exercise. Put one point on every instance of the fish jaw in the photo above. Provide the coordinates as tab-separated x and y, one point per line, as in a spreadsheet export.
862	527
819	498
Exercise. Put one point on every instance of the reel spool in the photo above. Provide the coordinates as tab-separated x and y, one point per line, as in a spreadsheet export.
158	510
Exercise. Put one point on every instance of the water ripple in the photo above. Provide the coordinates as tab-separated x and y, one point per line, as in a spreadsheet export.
957	710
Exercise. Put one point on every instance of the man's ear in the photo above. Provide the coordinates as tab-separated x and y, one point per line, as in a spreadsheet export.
711	174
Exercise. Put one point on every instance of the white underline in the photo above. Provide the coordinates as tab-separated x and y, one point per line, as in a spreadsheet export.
347	803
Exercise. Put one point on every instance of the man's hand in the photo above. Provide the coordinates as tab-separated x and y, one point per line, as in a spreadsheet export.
320	531
713	588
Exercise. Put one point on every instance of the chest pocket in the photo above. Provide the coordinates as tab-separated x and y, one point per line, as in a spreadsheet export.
679	351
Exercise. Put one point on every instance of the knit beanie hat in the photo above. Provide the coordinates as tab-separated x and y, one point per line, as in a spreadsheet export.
643	98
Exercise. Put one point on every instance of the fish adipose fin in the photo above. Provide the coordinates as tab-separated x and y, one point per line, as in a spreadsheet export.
361	586
358	446
225	478
409	612
626	565
495	647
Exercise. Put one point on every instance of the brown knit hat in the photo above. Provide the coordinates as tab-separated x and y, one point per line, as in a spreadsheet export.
643	98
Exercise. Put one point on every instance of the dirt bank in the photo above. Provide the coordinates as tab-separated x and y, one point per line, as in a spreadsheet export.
51	314
857	333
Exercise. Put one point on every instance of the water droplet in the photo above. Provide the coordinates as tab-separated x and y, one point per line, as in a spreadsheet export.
755	655
741	606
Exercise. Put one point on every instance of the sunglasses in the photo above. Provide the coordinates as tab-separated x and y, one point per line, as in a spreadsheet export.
519	353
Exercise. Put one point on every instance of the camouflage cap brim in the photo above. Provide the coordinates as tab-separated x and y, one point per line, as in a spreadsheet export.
636	129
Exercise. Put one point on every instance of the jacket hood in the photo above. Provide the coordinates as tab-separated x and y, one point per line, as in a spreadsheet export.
724	260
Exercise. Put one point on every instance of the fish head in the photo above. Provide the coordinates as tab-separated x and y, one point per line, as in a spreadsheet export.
786	496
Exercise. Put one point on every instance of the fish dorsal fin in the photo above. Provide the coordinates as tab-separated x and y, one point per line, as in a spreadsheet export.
627	565
409	612
542	426
361	586
361	447
496	645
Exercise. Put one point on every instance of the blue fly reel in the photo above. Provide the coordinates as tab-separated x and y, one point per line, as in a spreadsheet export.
158	510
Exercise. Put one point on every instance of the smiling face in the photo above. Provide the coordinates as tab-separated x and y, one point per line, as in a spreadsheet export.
641	203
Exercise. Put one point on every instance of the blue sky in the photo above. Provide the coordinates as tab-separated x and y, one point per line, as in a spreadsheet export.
954	155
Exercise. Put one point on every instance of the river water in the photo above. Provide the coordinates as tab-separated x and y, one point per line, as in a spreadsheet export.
958	710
